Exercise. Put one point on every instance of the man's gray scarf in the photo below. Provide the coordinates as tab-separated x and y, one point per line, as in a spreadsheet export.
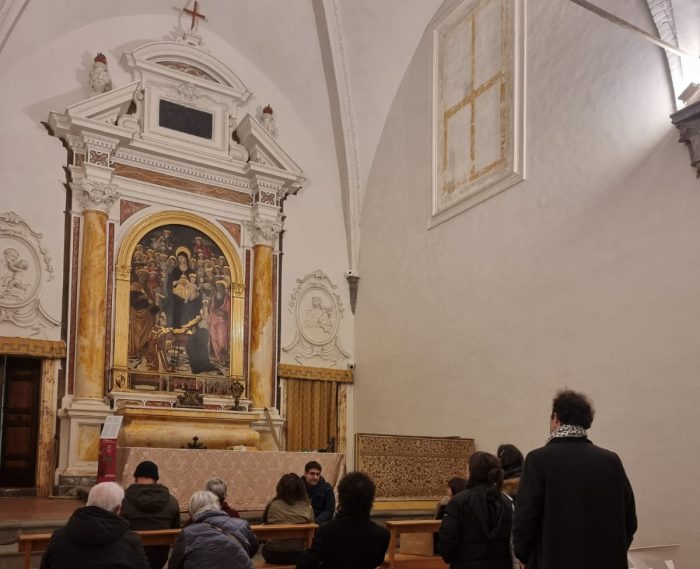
568	432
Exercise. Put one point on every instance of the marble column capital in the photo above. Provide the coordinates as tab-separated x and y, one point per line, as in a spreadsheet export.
96	196
265	231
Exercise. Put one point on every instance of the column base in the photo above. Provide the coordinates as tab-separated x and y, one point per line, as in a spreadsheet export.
81	423
267	441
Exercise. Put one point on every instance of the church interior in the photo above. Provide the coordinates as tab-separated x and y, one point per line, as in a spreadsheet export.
243	233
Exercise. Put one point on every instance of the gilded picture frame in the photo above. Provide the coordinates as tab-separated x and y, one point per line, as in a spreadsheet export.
175	334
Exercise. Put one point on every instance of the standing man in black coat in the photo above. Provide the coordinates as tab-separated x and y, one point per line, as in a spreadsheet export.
320	493
95	536
575	507
149	505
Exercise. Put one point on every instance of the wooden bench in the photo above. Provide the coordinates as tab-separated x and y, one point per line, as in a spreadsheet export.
406	561
37	542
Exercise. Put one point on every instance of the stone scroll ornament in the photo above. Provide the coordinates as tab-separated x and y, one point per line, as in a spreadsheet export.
24	267
317	310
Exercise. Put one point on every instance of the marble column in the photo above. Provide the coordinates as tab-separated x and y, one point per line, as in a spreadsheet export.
91	331
85	411
262	333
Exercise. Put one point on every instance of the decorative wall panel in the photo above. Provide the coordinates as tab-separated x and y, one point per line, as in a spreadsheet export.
411	468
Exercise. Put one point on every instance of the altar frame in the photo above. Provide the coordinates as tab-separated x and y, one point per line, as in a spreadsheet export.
120	368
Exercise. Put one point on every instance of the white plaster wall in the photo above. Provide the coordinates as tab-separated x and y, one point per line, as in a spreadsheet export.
586	275
38	77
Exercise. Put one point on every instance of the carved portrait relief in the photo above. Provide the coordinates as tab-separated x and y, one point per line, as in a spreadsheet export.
317	310
24	266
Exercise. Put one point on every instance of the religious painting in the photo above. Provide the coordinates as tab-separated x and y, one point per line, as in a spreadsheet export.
477	104
179	312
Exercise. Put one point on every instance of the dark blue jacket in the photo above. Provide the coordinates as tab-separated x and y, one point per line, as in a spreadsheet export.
322	500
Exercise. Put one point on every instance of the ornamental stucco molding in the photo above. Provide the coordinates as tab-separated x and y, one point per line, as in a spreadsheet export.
24	268
99	196
317	311
10	11
352	184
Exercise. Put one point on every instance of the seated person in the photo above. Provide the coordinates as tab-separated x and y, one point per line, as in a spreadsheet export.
351	540
149	505
218	487
213	539
290	505
95	536
320	492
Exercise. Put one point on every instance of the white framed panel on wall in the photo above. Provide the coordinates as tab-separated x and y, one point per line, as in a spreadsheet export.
478	104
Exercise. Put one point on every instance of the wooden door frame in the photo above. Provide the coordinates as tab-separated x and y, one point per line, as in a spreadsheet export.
51	353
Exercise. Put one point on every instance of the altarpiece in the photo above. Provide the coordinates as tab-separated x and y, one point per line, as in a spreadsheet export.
174	219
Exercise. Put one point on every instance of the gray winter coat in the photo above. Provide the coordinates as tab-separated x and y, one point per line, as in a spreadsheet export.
214	541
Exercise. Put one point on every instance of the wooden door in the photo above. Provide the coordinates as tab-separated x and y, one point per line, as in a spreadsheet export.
20	382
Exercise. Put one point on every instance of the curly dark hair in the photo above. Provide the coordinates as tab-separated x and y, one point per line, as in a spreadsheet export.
356	494
312	464
573	408
510	457
291	489
484	468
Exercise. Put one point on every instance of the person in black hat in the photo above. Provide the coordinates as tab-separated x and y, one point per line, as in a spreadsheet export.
148	505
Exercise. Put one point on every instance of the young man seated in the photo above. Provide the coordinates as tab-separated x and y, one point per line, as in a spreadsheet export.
320	493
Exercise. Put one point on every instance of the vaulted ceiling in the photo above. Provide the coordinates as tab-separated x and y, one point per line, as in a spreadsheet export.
338	62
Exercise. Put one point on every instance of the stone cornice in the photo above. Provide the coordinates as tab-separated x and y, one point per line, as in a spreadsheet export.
31	347
288	371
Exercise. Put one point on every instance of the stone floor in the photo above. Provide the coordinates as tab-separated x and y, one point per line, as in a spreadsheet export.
17	510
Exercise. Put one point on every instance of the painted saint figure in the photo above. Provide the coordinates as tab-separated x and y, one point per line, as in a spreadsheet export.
142	313
219	325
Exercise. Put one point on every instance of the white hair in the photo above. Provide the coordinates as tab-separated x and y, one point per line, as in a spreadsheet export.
106	495
216	486
203	501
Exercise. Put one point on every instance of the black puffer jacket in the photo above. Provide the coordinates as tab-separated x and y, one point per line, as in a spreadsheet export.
475	531
150	506
147	507
97	539
214	540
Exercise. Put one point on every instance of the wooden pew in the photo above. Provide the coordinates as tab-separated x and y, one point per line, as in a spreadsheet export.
30	543
411	526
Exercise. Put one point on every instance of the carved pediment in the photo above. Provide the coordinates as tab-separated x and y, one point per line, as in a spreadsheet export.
97	113
177	118
263	149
